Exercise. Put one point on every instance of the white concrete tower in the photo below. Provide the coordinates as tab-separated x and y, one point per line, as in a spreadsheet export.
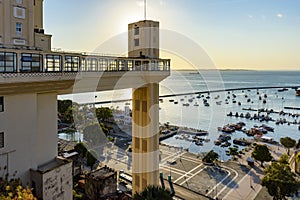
143	42
143	39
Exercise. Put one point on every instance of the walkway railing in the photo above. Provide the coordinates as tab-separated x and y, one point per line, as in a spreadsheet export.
31	61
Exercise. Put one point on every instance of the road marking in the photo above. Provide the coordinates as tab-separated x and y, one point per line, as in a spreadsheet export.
193	175
175	156
172	171
188	158
225	186
189	172
167	168
229	173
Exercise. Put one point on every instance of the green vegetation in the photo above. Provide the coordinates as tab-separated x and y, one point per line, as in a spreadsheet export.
13	190
91	158
233	151
262	154
280	180
153	193
67	110
210	157
104	114
288	143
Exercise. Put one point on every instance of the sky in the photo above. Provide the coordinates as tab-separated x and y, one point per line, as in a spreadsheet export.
234	34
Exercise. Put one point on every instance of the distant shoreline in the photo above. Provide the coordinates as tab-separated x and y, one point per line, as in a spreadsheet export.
254	70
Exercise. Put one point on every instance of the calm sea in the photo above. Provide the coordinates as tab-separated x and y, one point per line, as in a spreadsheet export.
213	116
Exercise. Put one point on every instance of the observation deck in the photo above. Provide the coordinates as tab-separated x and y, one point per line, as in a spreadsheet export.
27	71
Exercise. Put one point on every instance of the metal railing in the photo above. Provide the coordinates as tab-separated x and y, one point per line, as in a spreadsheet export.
70	62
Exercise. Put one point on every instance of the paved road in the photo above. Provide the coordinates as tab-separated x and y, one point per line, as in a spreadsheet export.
191	177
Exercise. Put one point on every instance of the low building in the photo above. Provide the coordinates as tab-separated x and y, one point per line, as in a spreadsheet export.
101	183
53	180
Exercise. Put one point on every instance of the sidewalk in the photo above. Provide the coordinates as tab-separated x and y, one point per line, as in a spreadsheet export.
247	188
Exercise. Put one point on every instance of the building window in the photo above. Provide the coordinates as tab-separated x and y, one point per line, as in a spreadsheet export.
8	62
31	62
1	140
71	63
53	63
91	64
19	1
136	42
1	104
136	31
19	12
103	65
18	29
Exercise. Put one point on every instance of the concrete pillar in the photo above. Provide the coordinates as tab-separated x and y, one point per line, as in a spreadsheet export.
145	137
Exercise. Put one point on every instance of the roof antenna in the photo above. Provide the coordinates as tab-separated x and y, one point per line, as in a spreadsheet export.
145	9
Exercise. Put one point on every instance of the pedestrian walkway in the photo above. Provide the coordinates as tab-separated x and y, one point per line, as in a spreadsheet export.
247	188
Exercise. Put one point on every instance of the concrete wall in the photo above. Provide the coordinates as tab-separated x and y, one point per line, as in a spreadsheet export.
148	39
58	183
145	137
32	18
30	137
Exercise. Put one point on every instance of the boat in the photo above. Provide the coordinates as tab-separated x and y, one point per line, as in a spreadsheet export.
219	102
171	100
264	101
199	143
196	104
218	142
176	102
185	104
268	128
206	104
297	92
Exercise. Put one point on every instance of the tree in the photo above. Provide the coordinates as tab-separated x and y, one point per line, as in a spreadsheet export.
152	192
262	154
91	158
103	113
288	143
284	159
280	180
233	151
210	157
81	148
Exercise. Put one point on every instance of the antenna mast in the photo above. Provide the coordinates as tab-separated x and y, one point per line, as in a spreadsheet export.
145	9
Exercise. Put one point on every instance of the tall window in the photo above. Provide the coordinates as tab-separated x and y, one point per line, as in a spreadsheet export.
18	1
31	62
136	42
18	29
136	31
1	104
71	63
53	63
8	62
1	140
91	64
103	64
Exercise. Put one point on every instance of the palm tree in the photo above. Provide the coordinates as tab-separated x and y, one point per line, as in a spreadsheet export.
152	192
